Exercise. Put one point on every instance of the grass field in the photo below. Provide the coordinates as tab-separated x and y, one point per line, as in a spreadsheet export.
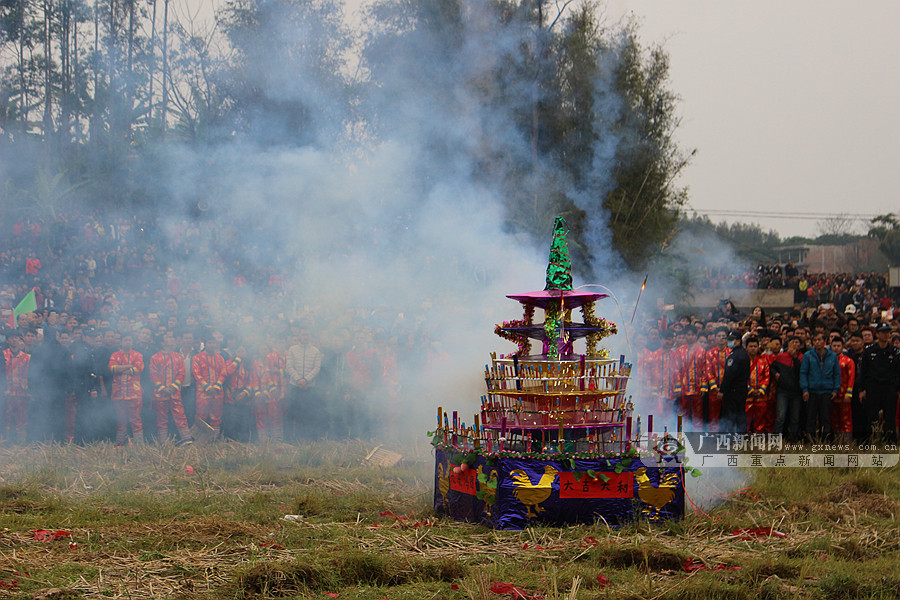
209	522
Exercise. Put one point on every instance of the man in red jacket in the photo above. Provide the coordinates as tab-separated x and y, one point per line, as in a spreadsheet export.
210	369
841	412
757	396
126	366
715	369
272	385
692	369
664	375
240	388
16	362
166	376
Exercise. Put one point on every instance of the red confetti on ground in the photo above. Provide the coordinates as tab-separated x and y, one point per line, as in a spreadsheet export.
603	580
751	532
272	545
589	542
502	587
9	585
693	564
332	595
45	535
453	586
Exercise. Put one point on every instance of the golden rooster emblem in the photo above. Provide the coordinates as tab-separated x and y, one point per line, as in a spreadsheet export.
657	497
443	482
489	492
531	494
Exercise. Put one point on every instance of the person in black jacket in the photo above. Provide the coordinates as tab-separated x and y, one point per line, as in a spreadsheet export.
86	384
854	351
734	388
62	401
785	373
879	373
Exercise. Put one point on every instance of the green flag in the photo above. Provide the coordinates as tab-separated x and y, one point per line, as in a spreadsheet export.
559	269
27	305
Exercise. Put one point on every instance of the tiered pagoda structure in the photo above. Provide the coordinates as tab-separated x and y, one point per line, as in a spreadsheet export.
555	440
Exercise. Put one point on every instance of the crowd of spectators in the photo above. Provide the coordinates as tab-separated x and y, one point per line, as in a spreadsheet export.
98	280
864	290
683	361
107	286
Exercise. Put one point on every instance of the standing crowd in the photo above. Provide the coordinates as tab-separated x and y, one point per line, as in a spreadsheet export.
809	373
141	334
150	331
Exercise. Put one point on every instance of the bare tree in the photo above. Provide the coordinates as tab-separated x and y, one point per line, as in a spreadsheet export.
838	226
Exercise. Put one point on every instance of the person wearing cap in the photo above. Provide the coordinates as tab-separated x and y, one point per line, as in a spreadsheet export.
16	363
735	386
879	371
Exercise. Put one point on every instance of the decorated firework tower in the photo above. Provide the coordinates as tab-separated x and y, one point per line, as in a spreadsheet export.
556	441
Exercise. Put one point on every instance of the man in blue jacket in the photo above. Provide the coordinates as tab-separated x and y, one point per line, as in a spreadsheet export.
820	380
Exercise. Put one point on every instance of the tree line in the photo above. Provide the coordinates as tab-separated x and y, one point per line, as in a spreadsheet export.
752	243
565	114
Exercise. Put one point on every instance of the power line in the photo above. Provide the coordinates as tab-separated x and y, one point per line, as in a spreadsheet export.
808	216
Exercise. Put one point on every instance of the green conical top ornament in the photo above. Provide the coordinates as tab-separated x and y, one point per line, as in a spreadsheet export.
559	270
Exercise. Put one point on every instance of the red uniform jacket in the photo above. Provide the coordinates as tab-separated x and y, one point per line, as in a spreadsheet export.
273	377
127	385
32	265
16	372
643	362
210	373
759	377
773	384
167	373
257	375
715	367
239	384
679	360
663	374
848	376
693	370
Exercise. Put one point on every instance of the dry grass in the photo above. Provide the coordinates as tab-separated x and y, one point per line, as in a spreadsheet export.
143	525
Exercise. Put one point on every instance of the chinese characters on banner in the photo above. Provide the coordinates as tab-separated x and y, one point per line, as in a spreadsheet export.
464	481
618	485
